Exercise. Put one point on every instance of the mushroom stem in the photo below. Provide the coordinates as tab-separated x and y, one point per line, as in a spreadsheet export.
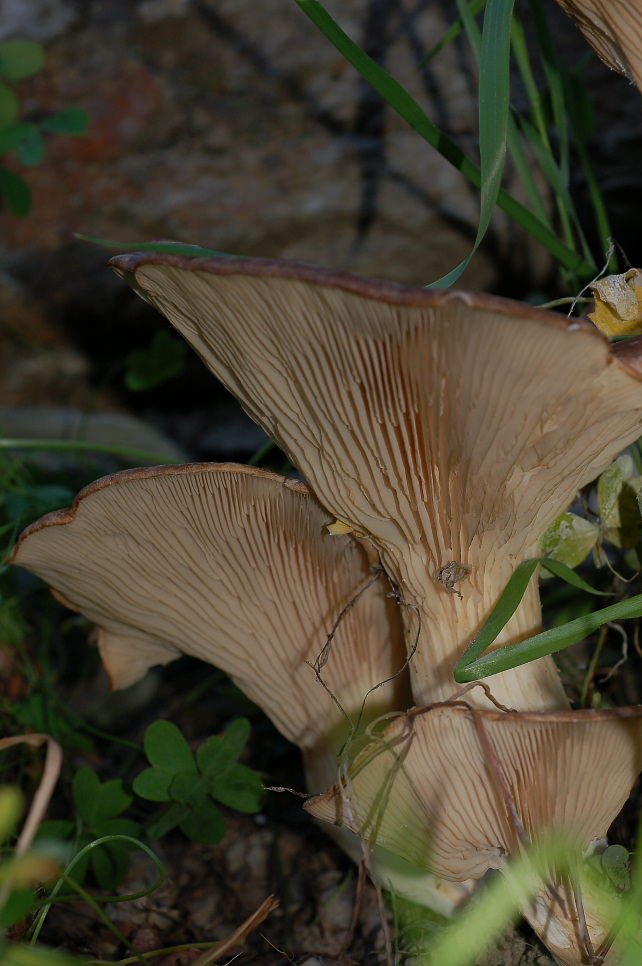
444	622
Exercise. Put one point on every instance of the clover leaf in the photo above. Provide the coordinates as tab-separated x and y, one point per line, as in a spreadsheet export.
190	785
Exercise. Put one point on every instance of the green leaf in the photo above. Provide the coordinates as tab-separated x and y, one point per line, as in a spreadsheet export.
166	748
153	784
615	863
32	150
204	824
85	789
20	954
164	360
71	120
549	642
55	829
111	799
618	503
9	105
187	788
569	539
12	135
240	788
121	826
15	192
35	501
220	752
236	737
18	905
174	815
109	865
21	58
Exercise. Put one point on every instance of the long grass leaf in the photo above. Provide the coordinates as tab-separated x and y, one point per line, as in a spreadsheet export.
515	148
475	7
509	601
555	177
549	642
407	108
494	103
501	613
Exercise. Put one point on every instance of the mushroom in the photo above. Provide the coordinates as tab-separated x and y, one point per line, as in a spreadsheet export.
457	790
450	428
613	28
235	566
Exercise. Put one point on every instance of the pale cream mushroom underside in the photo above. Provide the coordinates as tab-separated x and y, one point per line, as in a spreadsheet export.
235	566
613	28
439	786
450	427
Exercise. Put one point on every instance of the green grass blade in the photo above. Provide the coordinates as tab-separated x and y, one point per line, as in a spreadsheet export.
474	8
407	108
494	103
569	575
549	642
555	178
501	613
515	148
463	941
553	72
508	603
168	248
582	121
79	446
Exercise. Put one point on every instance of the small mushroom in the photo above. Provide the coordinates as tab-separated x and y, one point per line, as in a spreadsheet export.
451	428
613	28
456	791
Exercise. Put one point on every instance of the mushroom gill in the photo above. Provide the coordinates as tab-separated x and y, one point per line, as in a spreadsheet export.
450	428
456	791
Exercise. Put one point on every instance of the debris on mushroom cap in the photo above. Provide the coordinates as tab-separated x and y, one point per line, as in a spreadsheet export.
456	791
451	428
613	28
235	566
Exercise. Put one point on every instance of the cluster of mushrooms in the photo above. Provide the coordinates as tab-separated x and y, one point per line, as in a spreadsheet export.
439	434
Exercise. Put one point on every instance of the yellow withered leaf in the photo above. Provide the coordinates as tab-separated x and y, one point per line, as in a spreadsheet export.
338	528
617	303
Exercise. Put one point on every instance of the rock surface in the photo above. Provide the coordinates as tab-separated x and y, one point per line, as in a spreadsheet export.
248	134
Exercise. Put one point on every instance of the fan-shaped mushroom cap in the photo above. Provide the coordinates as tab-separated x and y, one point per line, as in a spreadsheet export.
613	28
455	791
234	566
452	428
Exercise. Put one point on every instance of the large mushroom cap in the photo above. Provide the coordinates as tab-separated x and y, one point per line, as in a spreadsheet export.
453	428
457	791
234	566
613	28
